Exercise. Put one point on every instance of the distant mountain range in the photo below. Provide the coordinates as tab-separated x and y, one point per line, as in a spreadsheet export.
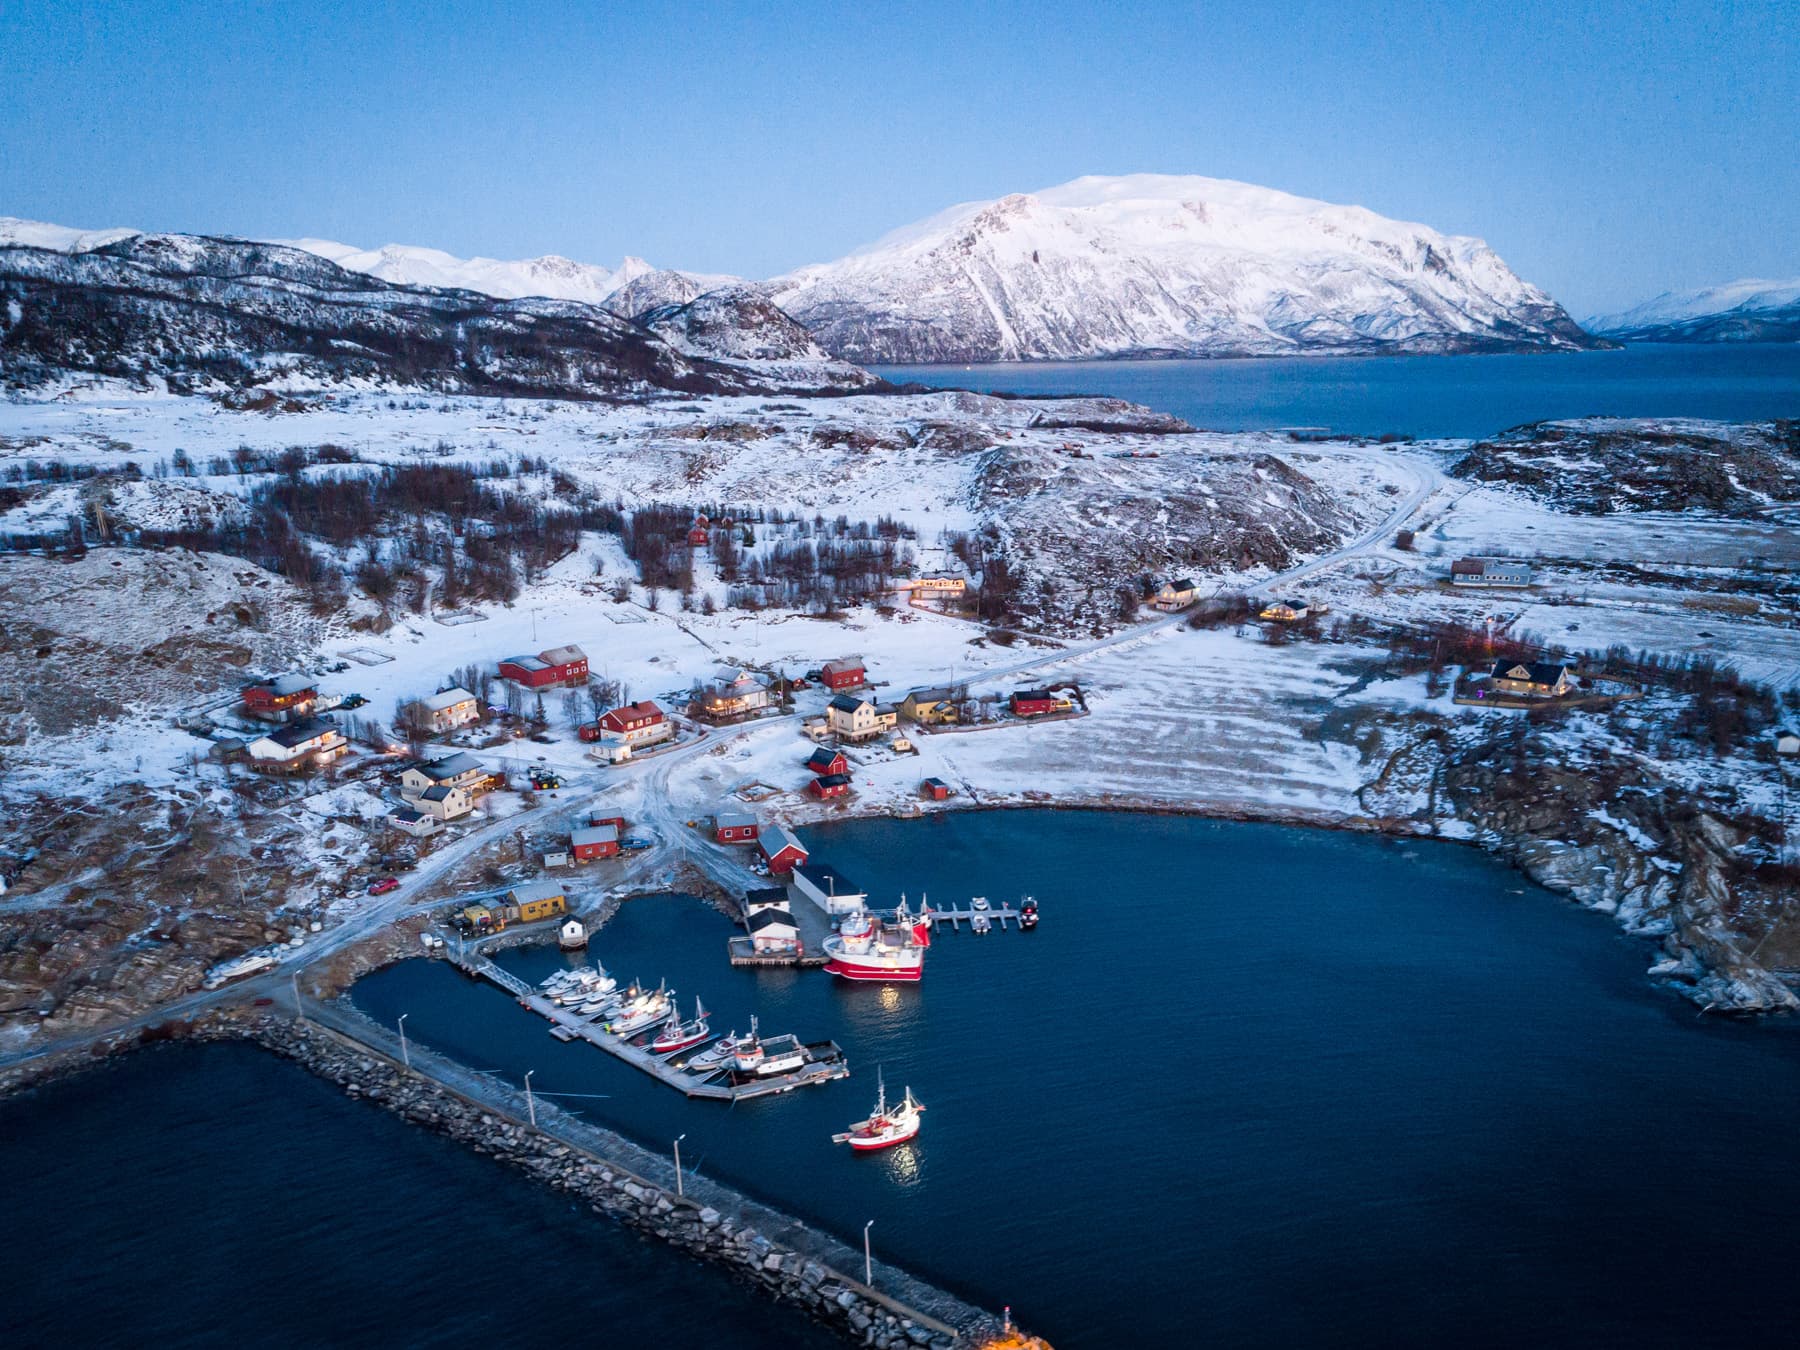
196	313
1738	311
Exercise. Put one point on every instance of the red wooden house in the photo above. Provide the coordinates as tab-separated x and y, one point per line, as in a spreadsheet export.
596	841
844	673
635	721
781	849
734	827
830	785
617	822
280	697
935	789
823	761
699	531
1032	702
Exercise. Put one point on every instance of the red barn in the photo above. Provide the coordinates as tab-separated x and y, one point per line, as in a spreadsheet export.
781	850
823	761
831	785
617	822
846	673
935	789
734	827
558	665
1032	702
597	841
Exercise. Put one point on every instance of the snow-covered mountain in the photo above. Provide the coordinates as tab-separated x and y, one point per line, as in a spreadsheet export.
1155	265
1738	311
739	326
198	313
553	277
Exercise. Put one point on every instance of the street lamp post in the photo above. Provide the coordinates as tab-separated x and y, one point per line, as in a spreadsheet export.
405	1054
868	1261
530	1101
678	1188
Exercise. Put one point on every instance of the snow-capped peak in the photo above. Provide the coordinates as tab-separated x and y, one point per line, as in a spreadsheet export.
552	276
1749	296
1158	264
57	238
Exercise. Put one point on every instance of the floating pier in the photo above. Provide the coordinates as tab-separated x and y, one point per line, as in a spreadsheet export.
957	917
825	1060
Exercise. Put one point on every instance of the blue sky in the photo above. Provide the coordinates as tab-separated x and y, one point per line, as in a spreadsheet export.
1607	151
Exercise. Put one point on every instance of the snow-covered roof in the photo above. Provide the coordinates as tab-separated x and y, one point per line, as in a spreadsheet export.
526	892
562	656
733	820
525	662
593	834
843	665
448	699
774	838
450	766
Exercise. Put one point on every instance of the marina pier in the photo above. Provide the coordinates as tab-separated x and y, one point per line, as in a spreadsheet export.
825	1060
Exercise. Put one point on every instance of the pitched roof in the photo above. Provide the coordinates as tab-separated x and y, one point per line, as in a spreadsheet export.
1538	672
299	733
524	662
766	895
1026	695
449	698
449	766
733	820
843	664
823	758
849	702
642	708
562	656
594	834
438	793
765	919
774	838
1183	585
827	878
833	780
292	683
929	695
526	892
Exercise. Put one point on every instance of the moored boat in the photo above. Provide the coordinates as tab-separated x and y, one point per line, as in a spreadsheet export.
864	948
679	1035
1028	913
716	1056
886	1125
651	1010
777	1054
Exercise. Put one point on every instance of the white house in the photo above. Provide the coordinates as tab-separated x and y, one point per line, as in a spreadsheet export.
1173	595
448	710
460	770
1490	572
851	717
311	743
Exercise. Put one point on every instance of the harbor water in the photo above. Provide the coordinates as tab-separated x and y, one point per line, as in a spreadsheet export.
1247	1085
1426	396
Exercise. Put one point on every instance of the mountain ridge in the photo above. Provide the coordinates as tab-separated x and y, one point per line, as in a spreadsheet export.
1746	310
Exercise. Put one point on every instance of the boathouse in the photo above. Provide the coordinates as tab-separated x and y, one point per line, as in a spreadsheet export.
822	885
781	849
537	900
773	932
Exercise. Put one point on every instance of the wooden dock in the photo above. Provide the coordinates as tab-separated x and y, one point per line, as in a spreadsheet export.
999	917
741	953
825	1059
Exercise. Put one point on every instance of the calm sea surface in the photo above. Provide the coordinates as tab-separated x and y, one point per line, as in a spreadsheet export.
215	1196
1418	395
1247	1085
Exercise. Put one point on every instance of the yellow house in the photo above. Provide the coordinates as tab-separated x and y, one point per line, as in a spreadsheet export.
939	583
930	707
538	900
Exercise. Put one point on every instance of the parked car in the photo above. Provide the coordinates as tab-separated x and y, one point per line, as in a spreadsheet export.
542	739
385	885
634	843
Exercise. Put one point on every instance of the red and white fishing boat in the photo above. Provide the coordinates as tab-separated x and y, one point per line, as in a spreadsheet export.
866	948
759	1057
889	1125
679	1035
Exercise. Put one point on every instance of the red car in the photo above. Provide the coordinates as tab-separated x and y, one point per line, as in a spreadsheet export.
385	885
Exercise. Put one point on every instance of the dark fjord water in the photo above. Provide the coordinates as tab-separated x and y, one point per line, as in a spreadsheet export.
1247	1085
1431	396
215	1196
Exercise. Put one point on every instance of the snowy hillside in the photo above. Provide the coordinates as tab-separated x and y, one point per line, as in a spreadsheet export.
196	313
739	326
1738	311
1155	265
552	277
